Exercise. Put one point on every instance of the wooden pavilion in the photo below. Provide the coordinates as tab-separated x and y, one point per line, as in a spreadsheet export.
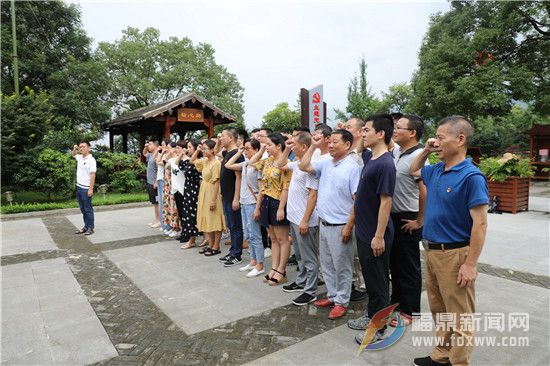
180	115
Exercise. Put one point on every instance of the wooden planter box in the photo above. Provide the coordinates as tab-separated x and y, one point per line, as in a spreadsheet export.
513	194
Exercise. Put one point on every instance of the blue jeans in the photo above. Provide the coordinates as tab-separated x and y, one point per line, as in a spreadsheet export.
86	208
252	231
235	225
160	189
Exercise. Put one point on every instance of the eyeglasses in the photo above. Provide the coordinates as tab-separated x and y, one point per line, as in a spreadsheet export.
403	128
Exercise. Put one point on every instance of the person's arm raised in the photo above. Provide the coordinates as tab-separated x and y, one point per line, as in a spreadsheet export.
195	154
253	160
282	160
419	162
305	162
232	164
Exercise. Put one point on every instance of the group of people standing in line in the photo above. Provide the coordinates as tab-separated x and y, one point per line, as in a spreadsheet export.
353	203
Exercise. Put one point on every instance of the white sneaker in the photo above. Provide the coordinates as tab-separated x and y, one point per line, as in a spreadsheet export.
168	232
174	233
254	273
267	252
161	229
248	267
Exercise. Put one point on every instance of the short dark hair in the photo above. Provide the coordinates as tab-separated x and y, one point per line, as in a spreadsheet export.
325	129
172	144
85	142
232	131
166	141
396	116
415	123
242	133
254	143
345	134
382	122
255	130
304	138
195	144
460	125
182	144
155	142
210	144
266	129
301	129
277	139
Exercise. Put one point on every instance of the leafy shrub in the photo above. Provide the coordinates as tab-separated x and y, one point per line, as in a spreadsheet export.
508	166
52	172
120	171
125	181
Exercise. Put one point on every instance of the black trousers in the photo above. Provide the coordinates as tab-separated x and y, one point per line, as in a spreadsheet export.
376	271
178	197
405	265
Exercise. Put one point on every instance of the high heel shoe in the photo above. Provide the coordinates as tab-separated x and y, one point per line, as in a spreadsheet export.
275	282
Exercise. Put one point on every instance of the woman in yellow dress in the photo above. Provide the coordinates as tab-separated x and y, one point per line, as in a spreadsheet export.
210	218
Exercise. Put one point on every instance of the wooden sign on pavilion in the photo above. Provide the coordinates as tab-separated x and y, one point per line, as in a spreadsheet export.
180	115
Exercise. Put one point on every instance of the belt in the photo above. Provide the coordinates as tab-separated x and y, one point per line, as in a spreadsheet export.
329	224
446	246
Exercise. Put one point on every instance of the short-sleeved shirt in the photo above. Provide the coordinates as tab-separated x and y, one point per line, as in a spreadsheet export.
377	178
450	196
151	169
249	184
298	194
406	195
337	185
178	177
210	169
85	167
273	179
228	176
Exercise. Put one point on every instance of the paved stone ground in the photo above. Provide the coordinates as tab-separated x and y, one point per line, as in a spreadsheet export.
154	305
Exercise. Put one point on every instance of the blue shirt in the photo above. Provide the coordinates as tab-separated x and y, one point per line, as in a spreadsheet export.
450	196
337	185
377	177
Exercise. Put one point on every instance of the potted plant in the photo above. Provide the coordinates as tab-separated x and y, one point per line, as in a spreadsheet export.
508	180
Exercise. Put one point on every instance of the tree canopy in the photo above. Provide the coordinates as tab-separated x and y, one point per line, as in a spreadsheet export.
282	118
481	57
145	69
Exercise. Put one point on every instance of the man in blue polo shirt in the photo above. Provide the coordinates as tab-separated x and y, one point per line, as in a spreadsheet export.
455	225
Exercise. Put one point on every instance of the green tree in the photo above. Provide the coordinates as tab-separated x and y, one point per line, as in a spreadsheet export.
397	98
55	56
282	118
52	172
482	56
26	118
147	70
361	100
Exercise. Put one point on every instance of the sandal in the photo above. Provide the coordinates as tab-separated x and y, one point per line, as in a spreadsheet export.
204	242
187	245
275	282
212	252
266	277
204	250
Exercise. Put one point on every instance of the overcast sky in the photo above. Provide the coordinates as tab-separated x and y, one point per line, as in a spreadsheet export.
275	48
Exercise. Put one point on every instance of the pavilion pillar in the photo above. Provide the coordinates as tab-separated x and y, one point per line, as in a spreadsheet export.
125	142
142	146
111	140
170	121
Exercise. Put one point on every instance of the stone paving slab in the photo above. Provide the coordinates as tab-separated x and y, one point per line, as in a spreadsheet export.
25	236
46	318
197	292
519	242
337	346
119	224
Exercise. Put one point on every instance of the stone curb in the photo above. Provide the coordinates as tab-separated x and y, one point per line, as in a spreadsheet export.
70	211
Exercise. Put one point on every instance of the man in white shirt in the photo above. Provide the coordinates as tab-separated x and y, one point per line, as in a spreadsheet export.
85	179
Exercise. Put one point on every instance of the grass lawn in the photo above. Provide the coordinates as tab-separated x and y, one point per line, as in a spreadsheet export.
38	201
